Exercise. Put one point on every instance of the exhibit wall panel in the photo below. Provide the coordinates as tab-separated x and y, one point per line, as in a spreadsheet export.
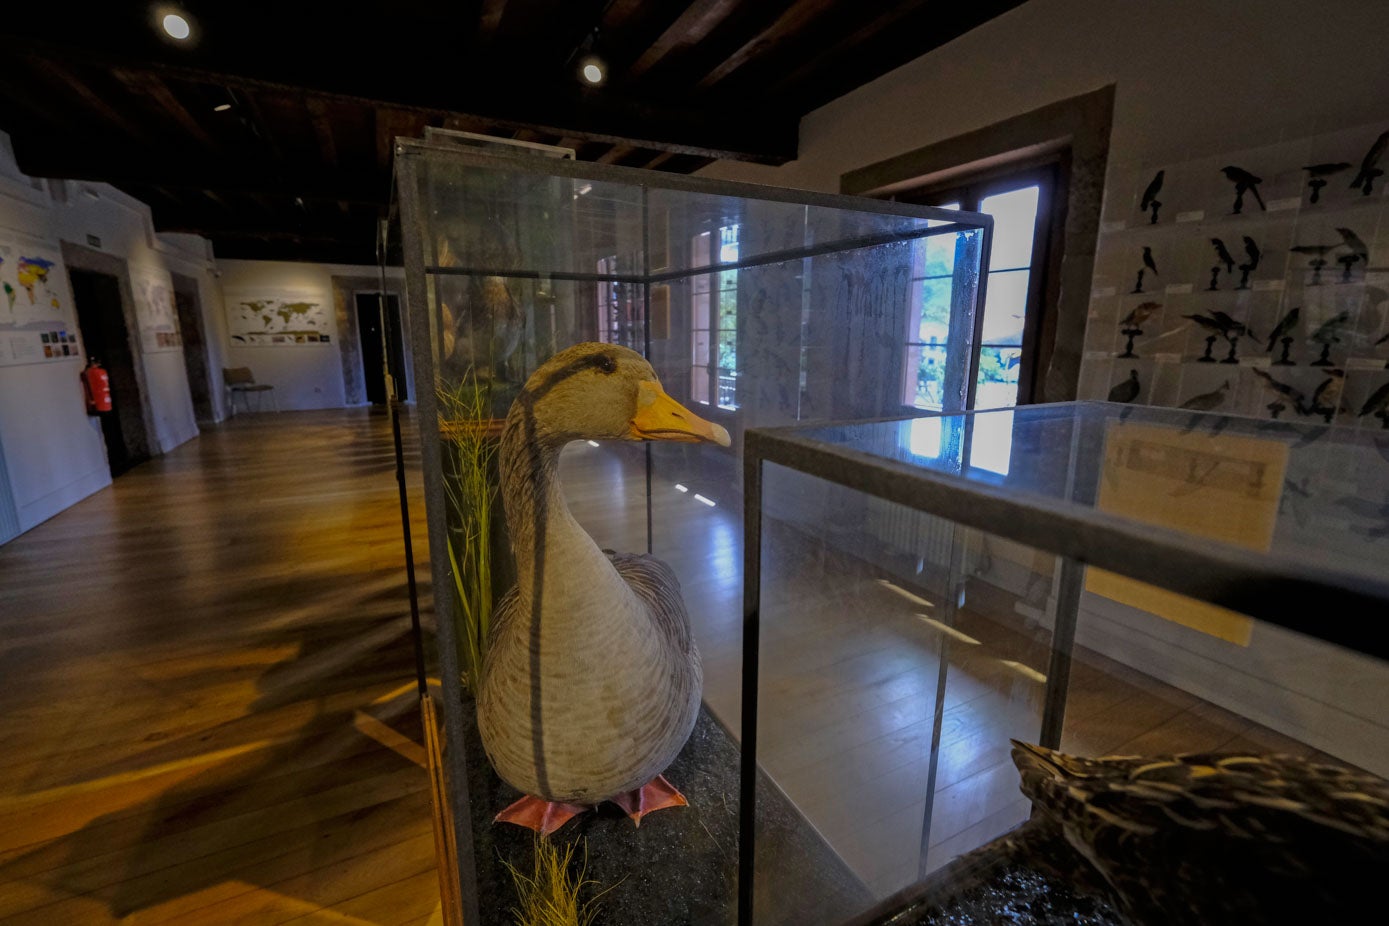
123	227
54	455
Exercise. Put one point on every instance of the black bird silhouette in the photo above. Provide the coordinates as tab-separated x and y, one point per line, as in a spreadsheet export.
1352	241
1207	401
1140	314
1317	174
1148	260
1365	177
1328	331
1326	398
1286	325
1282	393
1229	326
1223	255
1244	182
1209	324
1377	404
1126	391
1150	201
1251	249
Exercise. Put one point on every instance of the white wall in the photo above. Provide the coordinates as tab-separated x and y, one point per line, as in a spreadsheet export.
305	376
54	453
1192	78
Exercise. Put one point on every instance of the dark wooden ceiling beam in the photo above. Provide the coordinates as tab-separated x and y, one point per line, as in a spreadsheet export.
698	20
88	158
511	100
794	20
323	128
60	76
157	92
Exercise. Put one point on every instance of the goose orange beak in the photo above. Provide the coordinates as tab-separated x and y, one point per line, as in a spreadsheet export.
659	417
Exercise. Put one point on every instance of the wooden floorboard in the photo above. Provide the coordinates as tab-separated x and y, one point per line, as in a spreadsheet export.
207	691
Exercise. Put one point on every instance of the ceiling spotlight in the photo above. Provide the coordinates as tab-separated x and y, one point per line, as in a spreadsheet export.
592	70
221	107
176	26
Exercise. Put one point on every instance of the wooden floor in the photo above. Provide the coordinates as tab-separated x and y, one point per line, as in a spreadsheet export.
208	711
207	700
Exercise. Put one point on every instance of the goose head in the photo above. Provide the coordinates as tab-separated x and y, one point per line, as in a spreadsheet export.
595	391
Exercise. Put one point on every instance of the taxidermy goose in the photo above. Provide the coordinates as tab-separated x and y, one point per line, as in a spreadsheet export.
591	682
1219	839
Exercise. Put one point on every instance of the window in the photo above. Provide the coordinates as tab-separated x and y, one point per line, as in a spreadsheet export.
714	320
1008	351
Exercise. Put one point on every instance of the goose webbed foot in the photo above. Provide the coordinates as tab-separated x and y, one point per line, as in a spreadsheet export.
656	794
542	816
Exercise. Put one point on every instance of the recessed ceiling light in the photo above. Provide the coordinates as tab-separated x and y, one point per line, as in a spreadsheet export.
176	26
592	70
221	107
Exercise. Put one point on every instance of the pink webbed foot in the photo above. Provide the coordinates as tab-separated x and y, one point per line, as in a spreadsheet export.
542	816
656	794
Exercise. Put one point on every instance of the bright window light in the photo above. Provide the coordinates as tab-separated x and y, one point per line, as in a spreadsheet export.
704	501
176	26
593	443
1026	672
680	488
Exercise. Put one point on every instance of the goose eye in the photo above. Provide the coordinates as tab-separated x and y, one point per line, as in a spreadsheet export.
607	364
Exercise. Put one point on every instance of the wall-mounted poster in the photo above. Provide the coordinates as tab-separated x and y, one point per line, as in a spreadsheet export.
155	311
35	305
262	318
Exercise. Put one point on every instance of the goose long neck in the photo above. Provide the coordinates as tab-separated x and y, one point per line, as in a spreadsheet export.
545	537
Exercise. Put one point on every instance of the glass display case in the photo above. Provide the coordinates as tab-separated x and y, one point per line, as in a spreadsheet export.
754	306
1099	578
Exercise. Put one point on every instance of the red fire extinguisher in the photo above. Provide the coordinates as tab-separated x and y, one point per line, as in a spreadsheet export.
97	385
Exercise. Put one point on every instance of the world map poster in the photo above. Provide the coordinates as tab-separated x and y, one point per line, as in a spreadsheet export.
277	319
37	323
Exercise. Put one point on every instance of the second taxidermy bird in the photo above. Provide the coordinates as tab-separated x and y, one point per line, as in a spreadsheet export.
1212	839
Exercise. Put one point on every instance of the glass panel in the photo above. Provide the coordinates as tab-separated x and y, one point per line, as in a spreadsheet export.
1326	485
926	371
1015	222
894	670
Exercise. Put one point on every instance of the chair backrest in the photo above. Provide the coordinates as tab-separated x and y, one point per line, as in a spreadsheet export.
238	376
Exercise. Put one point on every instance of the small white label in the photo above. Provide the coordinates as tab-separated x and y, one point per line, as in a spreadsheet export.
1109	228
1283	205
1102	292
1177	289
1364	363
1267	286
1194	215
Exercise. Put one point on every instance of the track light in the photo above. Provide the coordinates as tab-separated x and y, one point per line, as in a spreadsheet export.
176	26
593	70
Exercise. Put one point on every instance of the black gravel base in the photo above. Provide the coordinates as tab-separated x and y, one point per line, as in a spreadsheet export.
680	867
1029	877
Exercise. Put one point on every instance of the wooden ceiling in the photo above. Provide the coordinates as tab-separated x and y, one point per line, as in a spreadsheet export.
297	164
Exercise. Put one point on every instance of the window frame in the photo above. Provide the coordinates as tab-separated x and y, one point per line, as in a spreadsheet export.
1042	289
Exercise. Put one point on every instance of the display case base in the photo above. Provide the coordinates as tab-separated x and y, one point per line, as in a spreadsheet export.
681	865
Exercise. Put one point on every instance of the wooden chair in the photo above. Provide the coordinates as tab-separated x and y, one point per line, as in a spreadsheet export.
240	381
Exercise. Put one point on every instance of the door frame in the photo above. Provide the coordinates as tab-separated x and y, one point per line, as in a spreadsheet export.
182	282
408	373
81	257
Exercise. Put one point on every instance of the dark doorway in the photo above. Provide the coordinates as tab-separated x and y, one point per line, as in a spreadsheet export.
101	318
190	326
369	327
